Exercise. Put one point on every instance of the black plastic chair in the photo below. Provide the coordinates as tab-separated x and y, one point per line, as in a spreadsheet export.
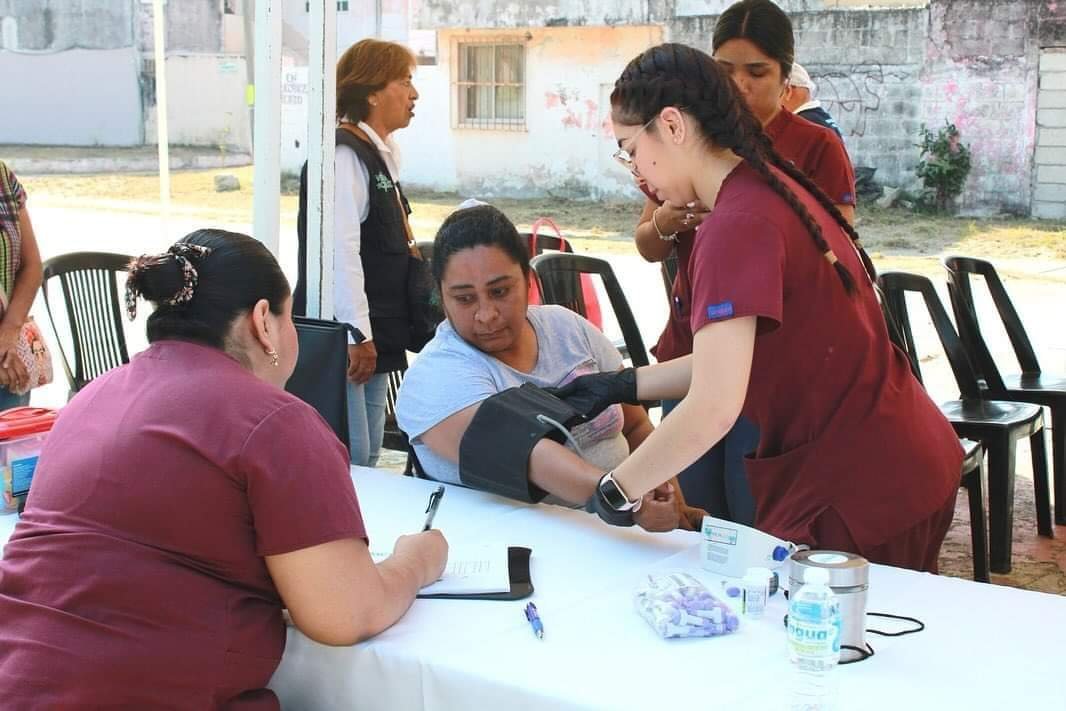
558	272
997	424
321	374
541	243
973	461
89	281
394	437
1030	385
973	475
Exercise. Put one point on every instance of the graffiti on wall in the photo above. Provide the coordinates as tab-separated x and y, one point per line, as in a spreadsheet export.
854	94
576	111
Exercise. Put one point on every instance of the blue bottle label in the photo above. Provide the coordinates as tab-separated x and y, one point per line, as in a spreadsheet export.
22	475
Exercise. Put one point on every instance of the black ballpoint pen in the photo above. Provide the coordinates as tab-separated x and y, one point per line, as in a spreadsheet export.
431	509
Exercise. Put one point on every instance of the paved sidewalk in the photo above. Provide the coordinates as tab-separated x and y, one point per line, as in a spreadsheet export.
39	160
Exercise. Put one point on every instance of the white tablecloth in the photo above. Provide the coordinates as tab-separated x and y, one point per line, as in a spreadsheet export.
985	646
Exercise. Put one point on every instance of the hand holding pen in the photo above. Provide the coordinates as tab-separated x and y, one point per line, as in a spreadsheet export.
428	550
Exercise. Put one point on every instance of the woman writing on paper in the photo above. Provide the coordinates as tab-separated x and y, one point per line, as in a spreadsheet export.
182	500
787	330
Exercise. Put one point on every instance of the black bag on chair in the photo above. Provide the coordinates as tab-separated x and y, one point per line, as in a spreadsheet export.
321	375
423	304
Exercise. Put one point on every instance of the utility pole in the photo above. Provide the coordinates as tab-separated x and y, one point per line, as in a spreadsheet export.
321	143
266	141
248	18
159	45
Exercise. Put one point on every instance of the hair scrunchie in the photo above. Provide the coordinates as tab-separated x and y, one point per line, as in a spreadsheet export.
181	253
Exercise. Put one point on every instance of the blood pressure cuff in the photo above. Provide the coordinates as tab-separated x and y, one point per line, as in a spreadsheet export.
599	506
494	452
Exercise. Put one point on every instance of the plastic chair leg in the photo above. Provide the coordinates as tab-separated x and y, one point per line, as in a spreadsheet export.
975	490
1041	490
1000	500
1058	458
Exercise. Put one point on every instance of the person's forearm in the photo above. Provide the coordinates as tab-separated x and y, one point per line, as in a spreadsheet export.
401	580
720	368
665	381
637	426
561	472
27	282
650	245
648	242
680	439
28	278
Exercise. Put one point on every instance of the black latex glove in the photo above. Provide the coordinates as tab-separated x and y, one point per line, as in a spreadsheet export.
590	395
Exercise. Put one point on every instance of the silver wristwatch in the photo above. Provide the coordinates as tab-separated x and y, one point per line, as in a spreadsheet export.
614	496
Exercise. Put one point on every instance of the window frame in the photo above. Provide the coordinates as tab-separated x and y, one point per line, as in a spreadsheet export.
459	85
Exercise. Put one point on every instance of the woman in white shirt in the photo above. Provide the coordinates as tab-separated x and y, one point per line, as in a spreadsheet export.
375	97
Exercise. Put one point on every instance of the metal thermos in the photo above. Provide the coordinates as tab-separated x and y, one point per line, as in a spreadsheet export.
849	579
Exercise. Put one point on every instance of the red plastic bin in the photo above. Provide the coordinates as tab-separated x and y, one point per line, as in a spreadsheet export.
23	431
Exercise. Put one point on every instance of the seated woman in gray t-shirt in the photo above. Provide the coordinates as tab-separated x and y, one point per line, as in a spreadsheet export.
493	340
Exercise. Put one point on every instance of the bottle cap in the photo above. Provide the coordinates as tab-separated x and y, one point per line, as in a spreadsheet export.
816	576
780	553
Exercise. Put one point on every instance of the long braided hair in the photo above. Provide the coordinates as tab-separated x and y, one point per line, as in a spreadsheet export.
686	78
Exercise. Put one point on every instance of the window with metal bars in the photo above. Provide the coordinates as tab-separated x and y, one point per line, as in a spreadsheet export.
491	86
342	6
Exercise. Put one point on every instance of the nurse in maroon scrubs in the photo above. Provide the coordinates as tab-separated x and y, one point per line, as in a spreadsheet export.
787	331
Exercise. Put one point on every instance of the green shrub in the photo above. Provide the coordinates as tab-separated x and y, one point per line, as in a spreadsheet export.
943	165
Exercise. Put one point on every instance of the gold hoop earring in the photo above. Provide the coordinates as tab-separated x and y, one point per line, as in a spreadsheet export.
274	360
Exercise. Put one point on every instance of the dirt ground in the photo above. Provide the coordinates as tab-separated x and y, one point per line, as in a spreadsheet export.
592	226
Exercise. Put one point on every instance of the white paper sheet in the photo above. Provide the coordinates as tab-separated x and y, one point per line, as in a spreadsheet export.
472	569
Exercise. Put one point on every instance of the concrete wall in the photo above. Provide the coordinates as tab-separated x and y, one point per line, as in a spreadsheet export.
567	143
79	97
56	25
970	62
206	105
980	73
362	19
1049	184
191	25
874	94
882	71
446	14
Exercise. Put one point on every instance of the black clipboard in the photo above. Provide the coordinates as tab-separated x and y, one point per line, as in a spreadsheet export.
517	569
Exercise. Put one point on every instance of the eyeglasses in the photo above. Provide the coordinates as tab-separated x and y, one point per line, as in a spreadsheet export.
622	155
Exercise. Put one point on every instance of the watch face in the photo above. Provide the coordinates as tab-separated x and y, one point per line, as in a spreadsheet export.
612	494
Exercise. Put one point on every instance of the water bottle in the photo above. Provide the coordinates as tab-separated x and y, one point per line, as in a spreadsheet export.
814	628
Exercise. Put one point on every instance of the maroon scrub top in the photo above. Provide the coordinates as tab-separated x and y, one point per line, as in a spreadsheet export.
815	150
136	577
846	431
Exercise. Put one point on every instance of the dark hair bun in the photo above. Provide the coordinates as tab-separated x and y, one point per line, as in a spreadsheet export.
156	278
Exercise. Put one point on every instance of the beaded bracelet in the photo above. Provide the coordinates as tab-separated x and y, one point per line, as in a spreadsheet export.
672	237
